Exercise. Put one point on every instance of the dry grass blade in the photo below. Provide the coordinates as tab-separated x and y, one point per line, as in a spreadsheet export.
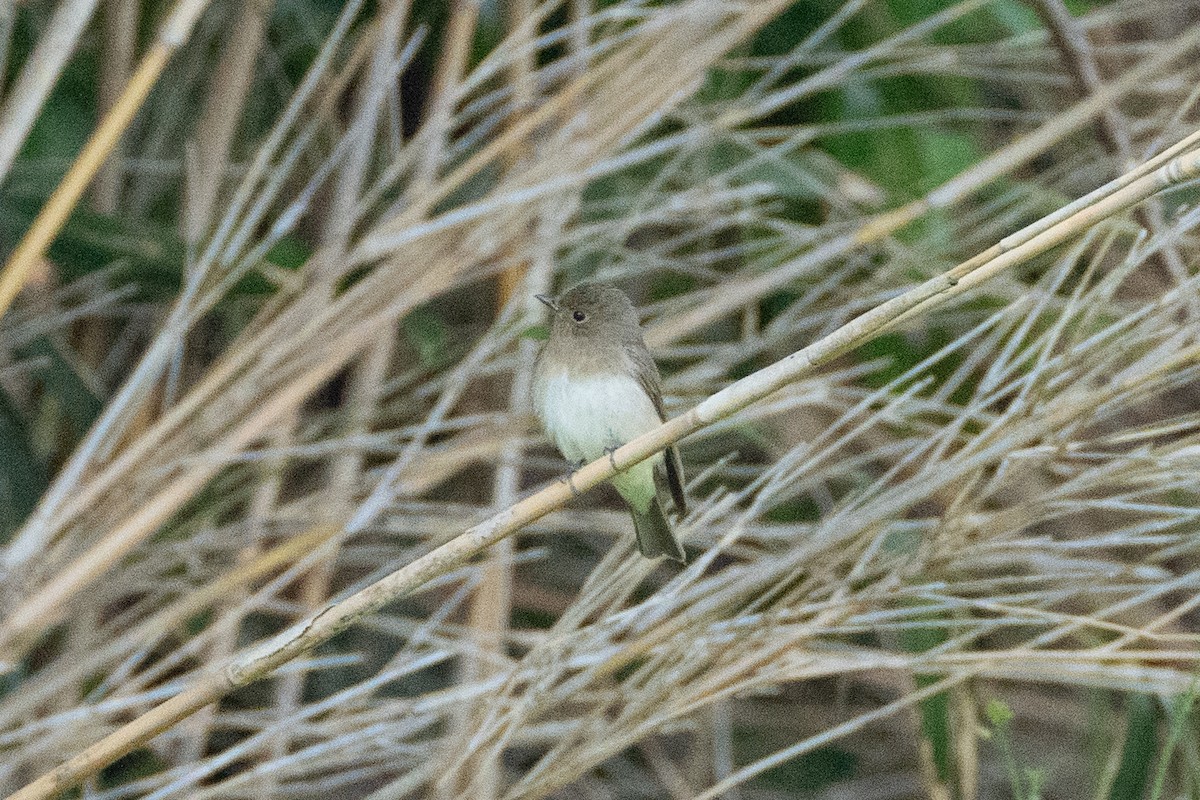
932	384
263	659
172	35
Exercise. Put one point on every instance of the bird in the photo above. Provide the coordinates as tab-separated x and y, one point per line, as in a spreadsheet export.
596	387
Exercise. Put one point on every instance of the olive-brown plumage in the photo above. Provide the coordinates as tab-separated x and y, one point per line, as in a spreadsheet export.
595	388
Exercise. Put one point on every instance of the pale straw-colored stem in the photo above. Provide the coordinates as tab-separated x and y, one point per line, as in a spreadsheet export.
38	75
262	659
120	36
491	604
985	173
221	116
366	385
54	214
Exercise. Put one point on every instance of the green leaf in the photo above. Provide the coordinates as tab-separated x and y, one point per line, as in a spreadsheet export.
289	253
935	710
426	332
1141	743
808	772
79	403
539	333
23	478
998	713
150	259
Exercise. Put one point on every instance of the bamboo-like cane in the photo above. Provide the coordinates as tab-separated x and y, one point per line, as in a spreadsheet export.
260	660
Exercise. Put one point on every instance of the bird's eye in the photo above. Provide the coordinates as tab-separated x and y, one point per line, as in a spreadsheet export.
579	316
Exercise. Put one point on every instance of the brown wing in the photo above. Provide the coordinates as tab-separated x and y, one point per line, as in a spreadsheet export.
651	381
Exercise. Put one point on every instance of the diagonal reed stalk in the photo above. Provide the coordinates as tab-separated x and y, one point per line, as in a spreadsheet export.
261	660
172	35
915	486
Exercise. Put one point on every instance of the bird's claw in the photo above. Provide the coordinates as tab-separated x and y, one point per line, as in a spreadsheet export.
570	481
611	460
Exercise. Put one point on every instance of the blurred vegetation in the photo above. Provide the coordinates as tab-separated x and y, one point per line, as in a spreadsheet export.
965	539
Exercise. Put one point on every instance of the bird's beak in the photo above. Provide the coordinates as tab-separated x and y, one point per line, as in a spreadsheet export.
548	300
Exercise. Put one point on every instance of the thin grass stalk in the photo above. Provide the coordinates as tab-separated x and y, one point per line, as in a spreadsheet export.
165	621
32	247
133	398
315	347
120	34
985	173
38	76
1080	58
221	116
491	605
367	376
262	659
435	132
637	59
264	504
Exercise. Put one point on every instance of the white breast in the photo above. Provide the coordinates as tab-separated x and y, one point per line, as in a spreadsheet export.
583	416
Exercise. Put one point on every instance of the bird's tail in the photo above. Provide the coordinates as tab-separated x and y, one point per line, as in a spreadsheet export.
654	534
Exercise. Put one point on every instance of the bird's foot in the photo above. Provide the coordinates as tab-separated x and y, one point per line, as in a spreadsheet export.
570	480
609	451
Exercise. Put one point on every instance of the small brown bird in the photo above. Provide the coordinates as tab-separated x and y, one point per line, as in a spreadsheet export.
595	388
